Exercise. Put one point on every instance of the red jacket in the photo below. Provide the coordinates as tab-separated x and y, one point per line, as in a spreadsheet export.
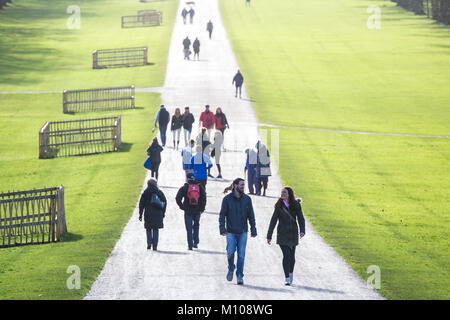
207	119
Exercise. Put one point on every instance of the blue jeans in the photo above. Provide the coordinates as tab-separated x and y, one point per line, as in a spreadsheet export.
253	186
192	226
236	242
152	237
162	132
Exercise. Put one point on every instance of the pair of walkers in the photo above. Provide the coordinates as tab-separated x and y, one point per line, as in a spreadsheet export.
257	167
187	48
209	120
237	211
185	13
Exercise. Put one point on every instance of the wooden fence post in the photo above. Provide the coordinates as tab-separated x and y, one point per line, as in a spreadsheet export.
145	55
132	97
64	101
61	227
43	140
94	60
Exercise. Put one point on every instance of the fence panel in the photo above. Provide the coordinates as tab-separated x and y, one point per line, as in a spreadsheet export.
32	216
149	19
102	99
122	57
79	137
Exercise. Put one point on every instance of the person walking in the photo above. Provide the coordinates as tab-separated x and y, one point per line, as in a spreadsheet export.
186	46
176	126
153	204
191	15
191	198
209	28
217	152
221	123
184	13
238	80
288	213
187	120
200	163
262	167
207	120
186	155
196	47
250	169
162	119
154	153
235	214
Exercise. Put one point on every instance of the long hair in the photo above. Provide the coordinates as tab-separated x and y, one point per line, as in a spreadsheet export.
177	113
235	182
291	197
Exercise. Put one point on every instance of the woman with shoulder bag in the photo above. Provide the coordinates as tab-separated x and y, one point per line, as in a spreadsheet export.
153	204
287	213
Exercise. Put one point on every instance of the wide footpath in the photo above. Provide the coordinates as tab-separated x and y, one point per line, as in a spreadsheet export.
173	272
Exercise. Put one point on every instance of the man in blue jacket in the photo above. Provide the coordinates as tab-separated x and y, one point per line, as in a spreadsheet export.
162	118
236	212
200	163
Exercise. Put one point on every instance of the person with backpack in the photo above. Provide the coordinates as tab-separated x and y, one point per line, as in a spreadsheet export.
262	167
153	204
186	46
188	120
209	28
221	123
154	153
162	119
207	120
250	169
186	155
184	13
200	163
176	126
235	214
191	198
287	213
238	80
196	47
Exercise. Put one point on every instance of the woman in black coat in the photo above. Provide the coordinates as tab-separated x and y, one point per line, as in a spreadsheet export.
154	153
153	215
288	212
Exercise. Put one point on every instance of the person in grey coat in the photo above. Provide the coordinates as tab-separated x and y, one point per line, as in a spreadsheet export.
235	214
153	215
287	213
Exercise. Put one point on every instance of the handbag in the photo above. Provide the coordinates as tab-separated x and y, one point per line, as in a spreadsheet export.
148	164
156	202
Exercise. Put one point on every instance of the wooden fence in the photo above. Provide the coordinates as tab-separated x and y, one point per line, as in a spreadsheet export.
32	217
143	13
123	57
102	99
79	137
149	19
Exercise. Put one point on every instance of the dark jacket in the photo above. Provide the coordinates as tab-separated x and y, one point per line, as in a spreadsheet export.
196	45
184	203
186	43
187	120
235	213
164	117
153	216
154	152
238	79
209	26
176	123
221	120
287	230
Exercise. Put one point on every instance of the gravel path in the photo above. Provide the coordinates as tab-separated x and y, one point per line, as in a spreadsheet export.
132	272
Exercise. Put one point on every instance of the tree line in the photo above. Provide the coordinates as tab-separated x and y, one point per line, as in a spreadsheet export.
436	9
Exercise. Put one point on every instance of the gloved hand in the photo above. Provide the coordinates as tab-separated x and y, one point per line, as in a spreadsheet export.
140	218
302	234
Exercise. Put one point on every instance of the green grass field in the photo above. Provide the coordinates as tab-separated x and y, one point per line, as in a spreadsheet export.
40	53
378	200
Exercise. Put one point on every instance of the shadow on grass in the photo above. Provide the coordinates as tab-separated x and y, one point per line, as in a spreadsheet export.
125	147
72	237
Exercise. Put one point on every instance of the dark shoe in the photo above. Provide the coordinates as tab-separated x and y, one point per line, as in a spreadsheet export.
219	176
240	281
154	249
251	193
149	247
230	275
189	248
196	246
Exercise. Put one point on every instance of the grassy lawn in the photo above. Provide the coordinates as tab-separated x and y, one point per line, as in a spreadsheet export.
378	200
40	53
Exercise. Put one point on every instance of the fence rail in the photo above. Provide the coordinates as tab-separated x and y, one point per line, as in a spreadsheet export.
80	137
32	216
102	99
122	57
147	18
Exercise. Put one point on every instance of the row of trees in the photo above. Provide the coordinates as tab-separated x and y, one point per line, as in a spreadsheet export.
3	3
436	9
